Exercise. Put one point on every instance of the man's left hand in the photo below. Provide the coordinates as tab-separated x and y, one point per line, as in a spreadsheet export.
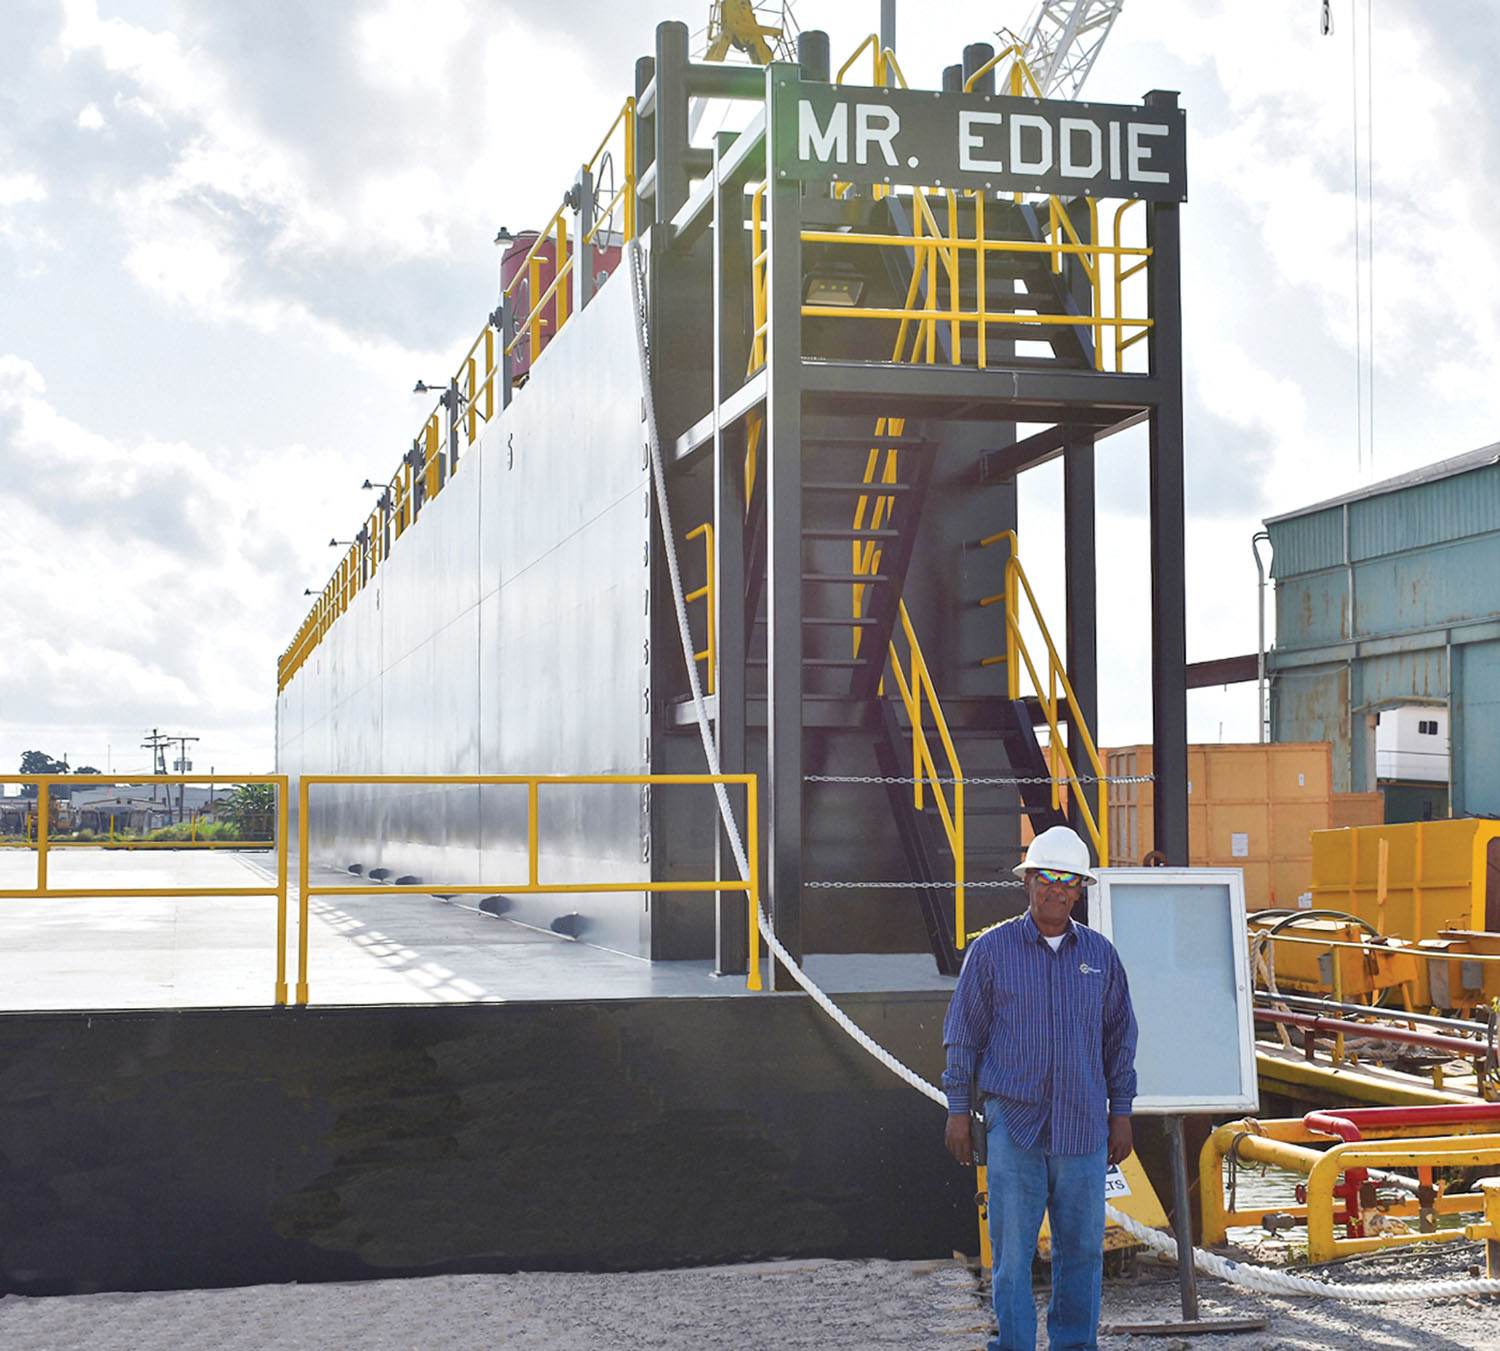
1121	1141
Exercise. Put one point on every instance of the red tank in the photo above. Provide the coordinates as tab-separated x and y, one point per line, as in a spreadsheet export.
527	280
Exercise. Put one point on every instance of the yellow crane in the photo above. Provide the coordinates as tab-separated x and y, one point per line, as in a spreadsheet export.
738	24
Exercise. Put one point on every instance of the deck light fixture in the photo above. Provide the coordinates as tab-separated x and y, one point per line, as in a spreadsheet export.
833	286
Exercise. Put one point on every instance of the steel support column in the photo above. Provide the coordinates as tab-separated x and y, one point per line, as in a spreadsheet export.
1168	533
671	122
783	471
1082	590
731	942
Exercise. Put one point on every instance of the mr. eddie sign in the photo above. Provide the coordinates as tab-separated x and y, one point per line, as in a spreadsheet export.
838	133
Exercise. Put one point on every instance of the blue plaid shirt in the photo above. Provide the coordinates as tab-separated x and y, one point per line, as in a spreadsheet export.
1054	1033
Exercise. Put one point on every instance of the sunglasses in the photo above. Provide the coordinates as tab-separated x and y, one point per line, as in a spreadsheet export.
1067	879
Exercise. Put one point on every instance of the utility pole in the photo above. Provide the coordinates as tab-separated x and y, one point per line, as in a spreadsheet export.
156	744
181	766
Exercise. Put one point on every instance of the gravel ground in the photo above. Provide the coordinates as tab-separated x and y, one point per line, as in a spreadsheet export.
836	1306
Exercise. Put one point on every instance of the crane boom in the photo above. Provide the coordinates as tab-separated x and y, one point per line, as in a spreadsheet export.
1062	40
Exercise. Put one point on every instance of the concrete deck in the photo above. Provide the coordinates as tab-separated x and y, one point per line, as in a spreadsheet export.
159	952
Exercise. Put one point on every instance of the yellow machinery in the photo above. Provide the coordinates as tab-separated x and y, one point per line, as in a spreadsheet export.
1326	954
1413	880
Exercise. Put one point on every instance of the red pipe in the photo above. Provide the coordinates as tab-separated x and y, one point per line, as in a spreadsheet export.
1440	1114
1331	1123
1458	1046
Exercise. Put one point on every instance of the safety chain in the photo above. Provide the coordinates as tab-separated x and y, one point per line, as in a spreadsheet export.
968	780
845	886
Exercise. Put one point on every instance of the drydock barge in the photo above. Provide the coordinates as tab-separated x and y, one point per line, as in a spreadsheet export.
865	315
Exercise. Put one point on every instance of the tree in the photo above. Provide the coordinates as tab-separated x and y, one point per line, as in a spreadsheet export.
39	762
251	810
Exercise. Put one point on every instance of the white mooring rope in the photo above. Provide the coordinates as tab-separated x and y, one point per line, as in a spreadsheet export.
1262	1279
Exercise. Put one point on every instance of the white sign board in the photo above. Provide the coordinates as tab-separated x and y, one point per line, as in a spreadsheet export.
1181	934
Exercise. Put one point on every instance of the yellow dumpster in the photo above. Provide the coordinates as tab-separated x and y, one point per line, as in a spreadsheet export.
1413	880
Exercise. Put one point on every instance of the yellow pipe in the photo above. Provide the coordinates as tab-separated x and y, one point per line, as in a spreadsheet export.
1262	1141
1442	1151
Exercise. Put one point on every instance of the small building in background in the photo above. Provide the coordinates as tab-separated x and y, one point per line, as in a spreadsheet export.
1411	762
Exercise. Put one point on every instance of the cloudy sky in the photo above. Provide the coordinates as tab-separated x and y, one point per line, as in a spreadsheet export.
233	235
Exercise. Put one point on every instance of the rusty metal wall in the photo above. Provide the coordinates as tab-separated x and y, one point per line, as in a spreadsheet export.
505	633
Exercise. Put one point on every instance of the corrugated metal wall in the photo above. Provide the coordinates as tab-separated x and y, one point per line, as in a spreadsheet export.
1392	598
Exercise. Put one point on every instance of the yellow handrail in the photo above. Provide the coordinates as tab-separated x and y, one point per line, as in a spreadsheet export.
916	688
1018	77
1122	275
529	272
705	593
1055	696
533	784
931	243
626	190
43	845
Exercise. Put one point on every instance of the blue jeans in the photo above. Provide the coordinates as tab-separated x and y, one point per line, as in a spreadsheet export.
1070	1188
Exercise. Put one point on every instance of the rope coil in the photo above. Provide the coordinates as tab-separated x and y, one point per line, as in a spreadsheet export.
1255	1278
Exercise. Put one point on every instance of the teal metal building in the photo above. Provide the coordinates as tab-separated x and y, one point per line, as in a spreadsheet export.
1386	597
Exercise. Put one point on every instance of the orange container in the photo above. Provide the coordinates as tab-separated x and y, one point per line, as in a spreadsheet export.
1250	806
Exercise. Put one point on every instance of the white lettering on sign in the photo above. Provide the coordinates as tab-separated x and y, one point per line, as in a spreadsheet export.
878	125
825	143
1043	150
1019	163
969	141
1072	168
1139	153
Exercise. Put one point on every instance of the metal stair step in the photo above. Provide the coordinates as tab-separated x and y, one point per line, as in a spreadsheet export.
855	486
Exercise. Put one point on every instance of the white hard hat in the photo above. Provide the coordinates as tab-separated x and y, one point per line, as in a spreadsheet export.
1061	849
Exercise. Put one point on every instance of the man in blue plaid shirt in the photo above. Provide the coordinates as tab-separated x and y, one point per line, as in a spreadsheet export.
1041	1021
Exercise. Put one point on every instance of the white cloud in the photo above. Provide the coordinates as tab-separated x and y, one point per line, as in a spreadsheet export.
16	188
90	118
176	578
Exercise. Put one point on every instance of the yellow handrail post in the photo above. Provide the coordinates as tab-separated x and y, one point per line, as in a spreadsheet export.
629	116
752	831
533	831
958	863
302	882
43	826
282	846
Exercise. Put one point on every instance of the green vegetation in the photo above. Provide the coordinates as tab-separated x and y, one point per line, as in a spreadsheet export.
251	810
